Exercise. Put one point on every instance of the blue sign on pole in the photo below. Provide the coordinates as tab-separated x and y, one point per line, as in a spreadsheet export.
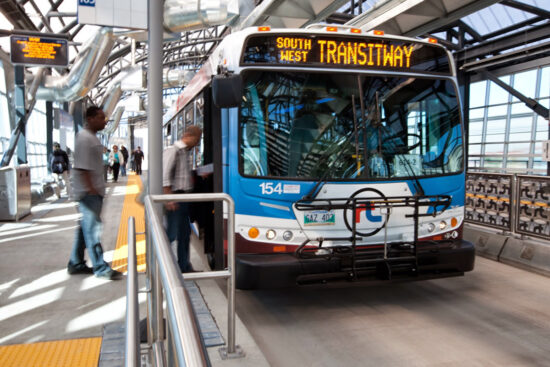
86	2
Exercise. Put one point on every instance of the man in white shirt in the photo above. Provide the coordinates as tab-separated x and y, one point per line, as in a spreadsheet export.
89	189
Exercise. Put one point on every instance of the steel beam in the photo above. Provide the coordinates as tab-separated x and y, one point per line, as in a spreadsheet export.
529	102
504	43
450	18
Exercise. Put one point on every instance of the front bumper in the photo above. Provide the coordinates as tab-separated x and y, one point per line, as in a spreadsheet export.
433	260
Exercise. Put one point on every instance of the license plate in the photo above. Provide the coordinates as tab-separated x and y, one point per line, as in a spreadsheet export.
319	217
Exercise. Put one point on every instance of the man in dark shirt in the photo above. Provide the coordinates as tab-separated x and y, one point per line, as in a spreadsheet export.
138	157
124	152
59	164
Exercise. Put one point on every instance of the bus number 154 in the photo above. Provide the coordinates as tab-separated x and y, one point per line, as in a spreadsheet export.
269	188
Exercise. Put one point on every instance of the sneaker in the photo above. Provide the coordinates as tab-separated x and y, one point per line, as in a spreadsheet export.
79	269
110	275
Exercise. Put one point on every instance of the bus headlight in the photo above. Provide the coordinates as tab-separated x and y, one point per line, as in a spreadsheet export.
431	227
442	225
287	235
270	234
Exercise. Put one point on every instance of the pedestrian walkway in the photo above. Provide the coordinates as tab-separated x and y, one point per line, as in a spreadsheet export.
131	208
51	318
48	317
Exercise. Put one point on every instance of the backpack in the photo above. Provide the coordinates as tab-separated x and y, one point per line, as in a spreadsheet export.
58	164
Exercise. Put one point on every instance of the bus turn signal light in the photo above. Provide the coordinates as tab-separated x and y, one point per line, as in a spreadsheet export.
253	232
454	222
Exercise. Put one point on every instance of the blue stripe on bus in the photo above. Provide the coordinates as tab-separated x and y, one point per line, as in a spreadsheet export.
247	193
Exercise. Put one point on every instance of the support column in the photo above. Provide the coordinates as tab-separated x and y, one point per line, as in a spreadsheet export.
154	110
20	114
49	133
464	90
131	127
78	116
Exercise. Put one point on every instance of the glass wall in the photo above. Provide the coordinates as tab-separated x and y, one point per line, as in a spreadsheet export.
504	134
5	115
36	126
36	142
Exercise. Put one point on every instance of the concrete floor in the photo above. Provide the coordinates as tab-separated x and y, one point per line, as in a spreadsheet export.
40	301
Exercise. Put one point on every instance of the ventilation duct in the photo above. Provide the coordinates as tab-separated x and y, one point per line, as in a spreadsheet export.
131	78
110	99
84	72
113	125
179	16
174	78
187	15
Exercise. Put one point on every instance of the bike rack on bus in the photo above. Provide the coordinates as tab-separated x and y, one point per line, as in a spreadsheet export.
385	253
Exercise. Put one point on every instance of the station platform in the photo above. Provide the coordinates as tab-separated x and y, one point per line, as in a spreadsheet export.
51	318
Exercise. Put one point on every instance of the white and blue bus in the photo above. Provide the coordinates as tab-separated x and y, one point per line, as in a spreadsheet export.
343	151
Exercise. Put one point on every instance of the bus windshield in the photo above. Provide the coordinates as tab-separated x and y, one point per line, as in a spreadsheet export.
336	126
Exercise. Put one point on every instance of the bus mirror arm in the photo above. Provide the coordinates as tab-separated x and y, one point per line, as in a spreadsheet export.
227	90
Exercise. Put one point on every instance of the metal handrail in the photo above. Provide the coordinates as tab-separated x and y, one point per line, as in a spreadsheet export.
184	343
180	317
132	349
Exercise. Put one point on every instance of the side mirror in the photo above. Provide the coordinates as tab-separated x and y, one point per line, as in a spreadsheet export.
227	91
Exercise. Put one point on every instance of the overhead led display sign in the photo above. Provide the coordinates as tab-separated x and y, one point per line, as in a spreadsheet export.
39	51
344	52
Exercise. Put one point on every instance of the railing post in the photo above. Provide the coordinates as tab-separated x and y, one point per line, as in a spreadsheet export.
132	353
181	341
232	278
514	202
149	283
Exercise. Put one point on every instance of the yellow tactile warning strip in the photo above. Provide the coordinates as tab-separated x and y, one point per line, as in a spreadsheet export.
61	353
130	208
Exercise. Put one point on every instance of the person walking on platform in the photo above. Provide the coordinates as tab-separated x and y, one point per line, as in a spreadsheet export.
60	168
124	152
116	159
89	189
138	157
177	178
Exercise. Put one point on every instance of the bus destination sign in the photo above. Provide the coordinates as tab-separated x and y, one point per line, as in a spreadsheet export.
39	51
344	52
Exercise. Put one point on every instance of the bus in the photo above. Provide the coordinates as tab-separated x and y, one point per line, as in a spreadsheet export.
342	149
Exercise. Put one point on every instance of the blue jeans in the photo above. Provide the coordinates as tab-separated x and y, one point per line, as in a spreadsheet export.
123	169
179	229
88	234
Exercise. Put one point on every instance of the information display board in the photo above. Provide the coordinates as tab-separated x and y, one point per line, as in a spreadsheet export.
39	51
